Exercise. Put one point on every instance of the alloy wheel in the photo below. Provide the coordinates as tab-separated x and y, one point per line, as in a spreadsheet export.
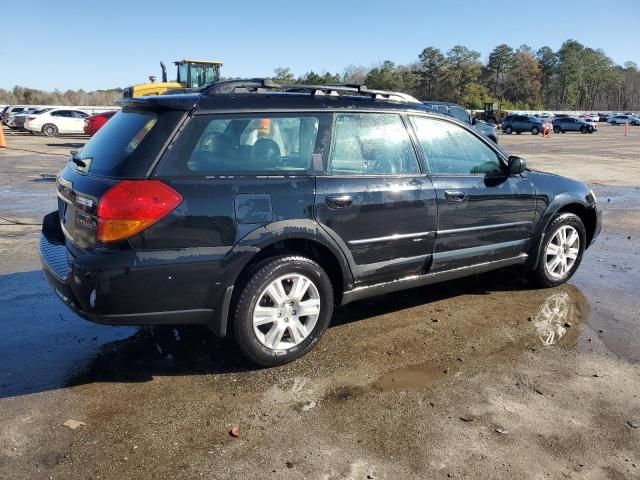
286	312
562	252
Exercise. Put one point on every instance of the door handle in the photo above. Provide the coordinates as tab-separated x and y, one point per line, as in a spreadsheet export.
339	201
454	195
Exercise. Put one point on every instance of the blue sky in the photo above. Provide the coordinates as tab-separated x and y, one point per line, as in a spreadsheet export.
101	44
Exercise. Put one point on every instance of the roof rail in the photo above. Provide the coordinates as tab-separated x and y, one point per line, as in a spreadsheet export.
261	85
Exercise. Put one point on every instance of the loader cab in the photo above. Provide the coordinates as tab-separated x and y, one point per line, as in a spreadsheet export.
196	73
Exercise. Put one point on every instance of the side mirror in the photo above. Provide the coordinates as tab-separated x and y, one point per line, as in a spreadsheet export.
474	121
517	165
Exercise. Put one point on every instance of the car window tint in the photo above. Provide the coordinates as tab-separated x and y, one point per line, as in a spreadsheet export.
450	149
371	144
128	144
259	143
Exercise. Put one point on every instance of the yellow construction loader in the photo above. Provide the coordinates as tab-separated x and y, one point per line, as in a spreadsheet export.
190	74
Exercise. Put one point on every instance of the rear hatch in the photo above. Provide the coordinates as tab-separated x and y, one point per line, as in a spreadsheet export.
125	148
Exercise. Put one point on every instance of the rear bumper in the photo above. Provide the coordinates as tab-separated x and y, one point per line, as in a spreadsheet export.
136	288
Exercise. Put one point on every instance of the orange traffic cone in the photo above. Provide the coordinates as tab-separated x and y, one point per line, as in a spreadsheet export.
3	144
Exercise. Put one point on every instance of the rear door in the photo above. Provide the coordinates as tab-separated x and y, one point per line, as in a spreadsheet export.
484	215
76	123
63	120
373	198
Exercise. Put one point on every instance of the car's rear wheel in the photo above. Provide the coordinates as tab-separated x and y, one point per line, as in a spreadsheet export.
562	247
556	129
49	130
283	310
508	130
535	131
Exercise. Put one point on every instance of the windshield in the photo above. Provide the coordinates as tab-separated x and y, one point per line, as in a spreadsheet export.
202	75
127	145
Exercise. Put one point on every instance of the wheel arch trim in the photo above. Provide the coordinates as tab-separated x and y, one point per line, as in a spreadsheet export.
559	203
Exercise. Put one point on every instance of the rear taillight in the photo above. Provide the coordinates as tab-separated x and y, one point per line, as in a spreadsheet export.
130	206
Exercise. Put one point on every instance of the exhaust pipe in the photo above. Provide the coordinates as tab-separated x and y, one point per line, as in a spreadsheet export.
164	72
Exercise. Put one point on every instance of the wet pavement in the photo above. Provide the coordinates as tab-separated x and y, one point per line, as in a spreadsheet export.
484	377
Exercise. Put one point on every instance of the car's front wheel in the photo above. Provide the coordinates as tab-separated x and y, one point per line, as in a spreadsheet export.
556	129
282	310
508	130
535	130
49	130
563	244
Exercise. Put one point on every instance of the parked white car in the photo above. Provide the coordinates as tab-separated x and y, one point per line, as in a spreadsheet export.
56	121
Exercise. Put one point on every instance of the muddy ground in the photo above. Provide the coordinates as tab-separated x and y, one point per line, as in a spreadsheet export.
485	377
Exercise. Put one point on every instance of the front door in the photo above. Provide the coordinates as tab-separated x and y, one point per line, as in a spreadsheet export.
374	200
484	215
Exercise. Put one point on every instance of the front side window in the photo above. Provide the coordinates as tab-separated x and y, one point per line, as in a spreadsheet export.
371	144
183	70
451	150
257	143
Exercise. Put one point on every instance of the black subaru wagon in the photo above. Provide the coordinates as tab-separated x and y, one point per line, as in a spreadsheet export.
255	208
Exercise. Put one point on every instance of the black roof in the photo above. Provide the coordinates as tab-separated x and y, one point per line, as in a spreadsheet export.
235	96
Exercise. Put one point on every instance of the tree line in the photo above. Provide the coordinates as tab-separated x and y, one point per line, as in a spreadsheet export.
575	77
29	96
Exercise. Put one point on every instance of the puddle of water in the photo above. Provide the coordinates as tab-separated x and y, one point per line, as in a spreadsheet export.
413	376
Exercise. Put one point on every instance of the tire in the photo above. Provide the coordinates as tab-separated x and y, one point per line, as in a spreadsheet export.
274	339
583	130
518	133
548	273
556	129
49	130
591	129
508	130
535	131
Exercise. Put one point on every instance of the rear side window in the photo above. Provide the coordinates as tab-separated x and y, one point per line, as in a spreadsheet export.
127	145
452	150
258	143
371	144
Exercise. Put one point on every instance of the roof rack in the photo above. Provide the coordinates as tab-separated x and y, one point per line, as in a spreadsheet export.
262	85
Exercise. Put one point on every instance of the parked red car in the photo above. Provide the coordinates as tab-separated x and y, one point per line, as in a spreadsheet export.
93	123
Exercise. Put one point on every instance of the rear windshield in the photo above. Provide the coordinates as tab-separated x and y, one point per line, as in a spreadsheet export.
127	145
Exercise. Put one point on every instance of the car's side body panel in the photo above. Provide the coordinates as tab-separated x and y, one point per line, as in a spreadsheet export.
493	221
387	230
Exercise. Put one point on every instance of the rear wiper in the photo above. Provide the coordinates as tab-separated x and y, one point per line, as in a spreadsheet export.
75	159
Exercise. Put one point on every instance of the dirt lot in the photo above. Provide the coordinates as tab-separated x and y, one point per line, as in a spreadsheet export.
480	378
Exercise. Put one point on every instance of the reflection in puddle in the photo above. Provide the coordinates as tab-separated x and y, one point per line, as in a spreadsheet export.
553	318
